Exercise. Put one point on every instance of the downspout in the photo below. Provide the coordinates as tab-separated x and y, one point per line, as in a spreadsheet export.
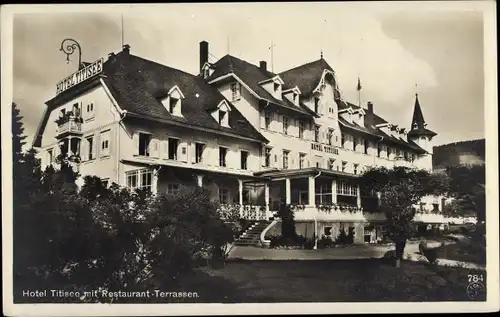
118	150
316	222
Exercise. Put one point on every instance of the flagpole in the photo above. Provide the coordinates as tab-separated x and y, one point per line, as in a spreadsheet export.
122	36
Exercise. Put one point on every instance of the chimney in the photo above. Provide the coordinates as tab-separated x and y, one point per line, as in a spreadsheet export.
263	65
126	49
203	53
370	107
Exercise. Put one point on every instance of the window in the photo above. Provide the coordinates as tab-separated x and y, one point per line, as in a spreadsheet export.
267	119
285	125
50	154
174	102
316	105
90	111
244	159
342	140
235	91
302	160
301	129
366	146
104	143
276	87
344	166
331	164
173	144
422	206
144	140
323	194
347	189
223	195
76	109
267	153
295	97
328	231
435	207
90	147
222	156
285	159
141	179
389	152
355	168
172	189
316	133
199	147
222	117
330	136
206	73
105	182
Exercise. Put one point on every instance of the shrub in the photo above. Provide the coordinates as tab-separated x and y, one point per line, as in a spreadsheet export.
464	230
344	238
325	242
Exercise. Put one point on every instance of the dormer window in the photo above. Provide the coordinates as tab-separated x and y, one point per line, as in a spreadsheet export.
221	114
222	117
173	104
276	87
173	101
235	91
273	86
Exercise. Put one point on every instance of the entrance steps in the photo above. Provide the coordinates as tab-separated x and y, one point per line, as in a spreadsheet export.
251	237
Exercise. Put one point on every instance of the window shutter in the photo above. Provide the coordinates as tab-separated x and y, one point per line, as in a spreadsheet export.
263	120
96	149
164	148
182	151
192	152
135	138
84	149
154	147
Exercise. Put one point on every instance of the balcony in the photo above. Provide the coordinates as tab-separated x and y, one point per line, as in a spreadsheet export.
324	148
69	125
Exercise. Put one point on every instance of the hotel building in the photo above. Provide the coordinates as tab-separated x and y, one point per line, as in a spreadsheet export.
249	136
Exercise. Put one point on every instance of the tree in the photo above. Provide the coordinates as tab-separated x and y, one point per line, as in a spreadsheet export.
18	136
467	186
400	189
287	221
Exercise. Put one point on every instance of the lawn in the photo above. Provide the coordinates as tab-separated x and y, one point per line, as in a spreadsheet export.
466	252
330	281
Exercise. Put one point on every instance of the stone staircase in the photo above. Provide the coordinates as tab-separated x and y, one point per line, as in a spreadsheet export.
251	237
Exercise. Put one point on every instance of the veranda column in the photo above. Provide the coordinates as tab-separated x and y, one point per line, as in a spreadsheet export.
266	198
358	198
312	190
199	179
154	181
288	191
69	153
240	192
334	191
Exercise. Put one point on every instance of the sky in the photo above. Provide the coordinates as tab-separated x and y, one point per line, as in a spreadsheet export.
438	54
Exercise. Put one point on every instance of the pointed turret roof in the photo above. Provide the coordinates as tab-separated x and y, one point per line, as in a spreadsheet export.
418	125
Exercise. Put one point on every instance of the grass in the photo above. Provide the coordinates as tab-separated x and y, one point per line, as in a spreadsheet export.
338	281
459	251
313	281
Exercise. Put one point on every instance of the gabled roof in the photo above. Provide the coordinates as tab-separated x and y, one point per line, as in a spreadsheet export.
251	75
306	77
138	84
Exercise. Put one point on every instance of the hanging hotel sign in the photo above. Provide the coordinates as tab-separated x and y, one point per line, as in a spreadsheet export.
80	76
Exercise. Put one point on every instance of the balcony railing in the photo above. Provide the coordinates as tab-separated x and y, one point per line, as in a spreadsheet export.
69	125
324	148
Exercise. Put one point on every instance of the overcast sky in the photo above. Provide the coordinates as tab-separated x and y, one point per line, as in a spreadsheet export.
439	54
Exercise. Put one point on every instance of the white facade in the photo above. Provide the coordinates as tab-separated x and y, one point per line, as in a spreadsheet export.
163	156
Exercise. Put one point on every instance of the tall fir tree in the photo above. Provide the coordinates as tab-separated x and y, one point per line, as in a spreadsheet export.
18	136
